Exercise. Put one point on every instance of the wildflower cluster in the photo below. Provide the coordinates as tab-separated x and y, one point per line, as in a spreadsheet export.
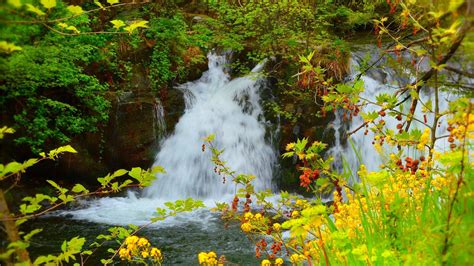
210	259
380	219
139	249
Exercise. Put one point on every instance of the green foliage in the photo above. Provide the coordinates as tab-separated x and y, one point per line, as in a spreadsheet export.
175	50
61	96
56	100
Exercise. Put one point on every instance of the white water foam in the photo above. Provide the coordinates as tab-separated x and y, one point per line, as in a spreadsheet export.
215	104
229	109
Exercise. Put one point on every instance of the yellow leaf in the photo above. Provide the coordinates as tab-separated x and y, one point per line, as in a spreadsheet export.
117	23
6	47
35	10
98	4
112	2
76	10
48	3
72	28
137	24
15	3
62	25
6	130
454	5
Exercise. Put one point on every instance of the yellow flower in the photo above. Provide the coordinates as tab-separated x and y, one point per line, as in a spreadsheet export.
145	254
266	263
278	262
212	254
155	253
424	139
246	227
143	242
258	216
207	258
289	146
301	155
131	240
124	253
248	216
202	257
295	258
295	214
277	227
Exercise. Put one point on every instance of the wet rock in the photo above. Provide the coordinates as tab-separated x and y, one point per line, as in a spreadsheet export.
134	130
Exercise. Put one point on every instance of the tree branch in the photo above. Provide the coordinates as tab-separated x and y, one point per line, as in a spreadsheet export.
460	72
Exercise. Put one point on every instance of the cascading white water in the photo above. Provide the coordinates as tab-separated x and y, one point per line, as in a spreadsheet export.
383	80
229	109
215	104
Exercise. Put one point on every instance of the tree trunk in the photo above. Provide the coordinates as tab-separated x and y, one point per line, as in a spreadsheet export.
11	229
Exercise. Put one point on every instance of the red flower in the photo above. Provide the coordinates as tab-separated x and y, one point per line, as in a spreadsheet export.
307	177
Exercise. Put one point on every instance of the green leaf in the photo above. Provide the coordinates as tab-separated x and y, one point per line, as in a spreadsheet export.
78	188
105	261
343	88
28	236
12	167
44	259
76	10
370	116
119	172
18	244
35	10
6	255
56	186
135	173
414	94
118	23
64	246
125	183
113	2
115	186
48	4
158	169
301	144
72	28
20	221
87	252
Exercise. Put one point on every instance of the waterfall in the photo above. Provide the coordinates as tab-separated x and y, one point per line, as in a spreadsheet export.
215	104
230	109
382	79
